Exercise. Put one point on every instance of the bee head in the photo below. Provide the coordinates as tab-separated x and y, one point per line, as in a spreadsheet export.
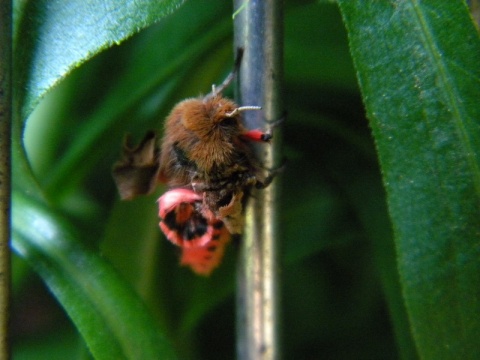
221	112
225	114
214	115
227	117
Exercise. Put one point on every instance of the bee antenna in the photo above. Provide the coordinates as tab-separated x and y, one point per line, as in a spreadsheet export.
242	108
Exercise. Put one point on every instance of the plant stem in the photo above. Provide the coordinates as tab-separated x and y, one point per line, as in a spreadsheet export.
258	29
5	171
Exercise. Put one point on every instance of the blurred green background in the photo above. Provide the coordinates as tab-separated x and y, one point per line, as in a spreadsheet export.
340	292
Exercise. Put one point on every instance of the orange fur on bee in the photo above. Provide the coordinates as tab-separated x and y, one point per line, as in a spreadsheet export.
194	126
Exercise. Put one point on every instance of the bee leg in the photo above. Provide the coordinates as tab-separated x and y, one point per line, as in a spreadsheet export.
275	123
257	135
264	136
271	175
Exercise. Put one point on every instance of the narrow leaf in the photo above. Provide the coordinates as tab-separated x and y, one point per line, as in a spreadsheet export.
110	316
54	37
417	64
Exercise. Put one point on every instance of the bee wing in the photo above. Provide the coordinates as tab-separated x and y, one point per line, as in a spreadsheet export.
136	173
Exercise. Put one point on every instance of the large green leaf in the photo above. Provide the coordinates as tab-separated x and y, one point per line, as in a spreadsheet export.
107	312
142	79
417	64
52	37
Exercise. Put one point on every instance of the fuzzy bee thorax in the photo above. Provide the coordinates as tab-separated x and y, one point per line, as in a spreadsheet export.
209	118
203	130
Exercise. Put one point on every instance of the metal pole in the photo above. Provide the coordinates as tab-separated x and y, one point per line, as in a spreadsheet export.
5	170
259	30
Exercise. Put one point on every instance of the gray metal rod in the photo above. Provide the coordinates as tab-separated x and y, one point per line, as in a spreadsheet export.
259	30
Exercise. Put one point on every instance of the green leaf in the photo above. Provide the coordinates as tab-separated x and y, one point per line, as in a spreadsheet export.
143	79
51	38
110	316
319	24
101	304
54	37
417	64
